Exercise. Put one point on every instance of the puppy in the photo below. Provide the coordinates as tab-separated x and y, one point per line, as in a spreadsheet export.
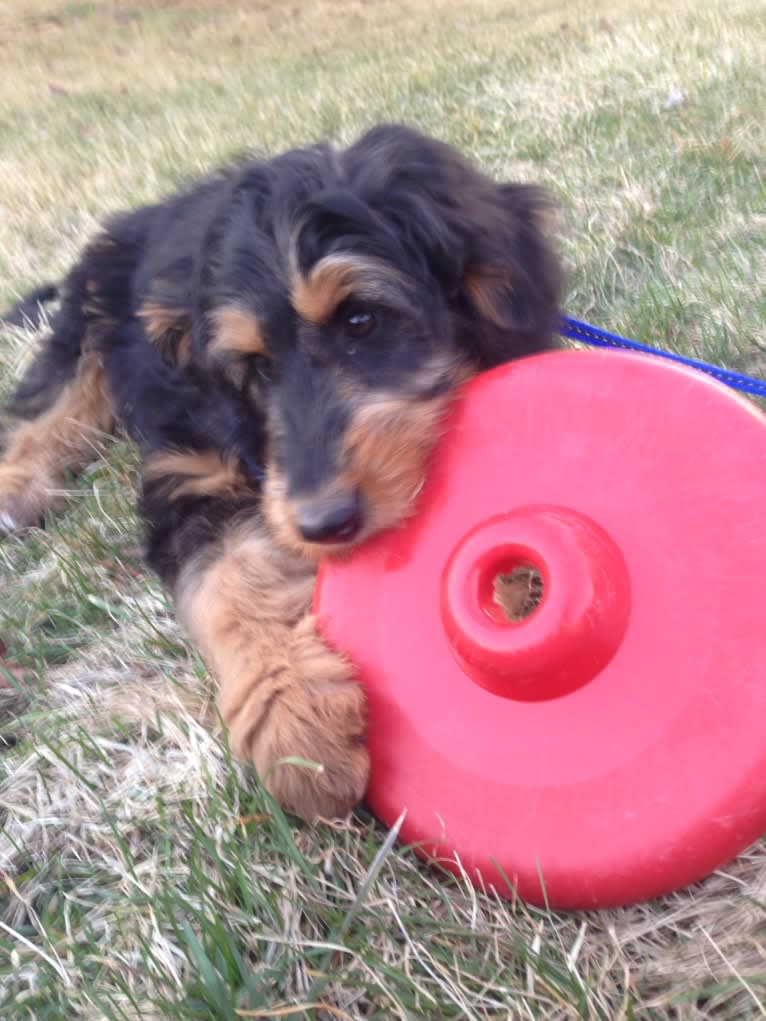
283	341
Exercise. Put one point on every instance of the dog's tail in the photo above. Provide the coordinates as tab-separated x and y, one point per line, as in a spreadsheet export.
29	311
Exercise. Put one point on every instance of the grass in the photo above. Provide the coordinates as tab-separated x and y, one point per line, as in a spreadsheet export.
142	873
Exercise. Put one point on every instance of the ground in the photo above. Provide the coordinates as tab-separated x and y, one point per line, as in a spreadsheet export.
142	874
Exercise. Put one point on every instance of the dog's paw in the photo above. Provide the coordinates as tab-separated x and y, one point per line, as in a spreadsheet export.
22	500
311	750
305	731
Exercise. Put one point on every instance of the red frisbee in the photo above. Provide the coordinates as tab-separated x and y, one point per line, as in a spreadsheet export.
610	746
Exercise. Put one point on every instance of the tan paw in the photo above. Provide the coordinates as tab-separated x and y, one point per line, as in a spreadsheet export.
22	500
307	709
325	729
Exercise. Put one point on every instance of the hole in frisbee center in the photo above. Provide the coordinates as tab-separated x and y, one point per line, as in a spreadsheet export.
515	592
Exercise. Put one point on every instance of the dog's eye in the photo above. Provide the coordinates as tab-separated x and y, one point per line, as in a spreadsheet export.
263	368
248	373
236	372
259	376
359	323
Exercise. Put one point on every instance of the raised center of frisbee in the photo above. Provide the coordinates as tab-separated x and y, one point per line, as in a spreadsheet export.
535	602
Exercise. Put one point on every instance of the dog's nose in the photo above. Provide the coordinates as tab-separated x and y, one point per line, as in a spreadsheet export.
334	519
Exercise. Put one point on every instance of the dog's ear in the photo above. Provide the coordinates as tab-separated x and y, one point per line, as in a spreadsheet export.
511	278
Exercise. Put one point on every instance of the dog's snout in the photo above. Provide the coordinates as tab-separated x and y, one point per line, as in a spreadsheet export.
338	518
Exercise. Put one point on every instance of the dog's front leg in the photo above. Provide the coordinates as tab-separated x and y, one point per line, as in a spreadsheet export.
283	694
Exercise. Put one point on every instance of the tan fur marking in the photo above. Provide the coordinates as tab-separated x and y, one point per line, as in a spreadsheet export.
159	320
201	473
330	282
279	515
487	290
387	448
334	279
236	331
283	693
169	329
183	350
41	451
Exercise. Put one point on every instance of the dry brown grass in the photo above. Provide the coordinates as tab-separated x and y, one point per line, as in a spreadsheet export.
143	874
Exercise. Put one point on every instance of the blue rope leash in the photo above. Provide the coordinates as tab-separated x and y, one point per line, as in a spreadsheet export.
588	334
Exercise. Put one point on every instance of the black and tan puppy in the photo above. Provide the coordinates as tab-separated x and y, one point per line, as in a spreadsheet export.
283	340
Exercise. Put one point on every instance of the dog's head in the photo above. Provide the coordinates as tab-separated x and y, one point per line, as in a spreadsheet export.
354	292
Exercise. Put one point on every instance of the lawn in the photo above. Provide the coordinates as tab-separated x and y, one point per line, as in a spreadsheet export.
143	875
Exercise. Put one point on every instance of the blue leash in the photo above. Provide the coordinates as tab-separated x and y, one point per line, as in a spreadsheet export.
588	334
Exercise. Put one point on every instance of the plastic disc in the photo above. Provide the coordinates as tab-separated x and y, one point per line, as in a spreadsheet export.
610	745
